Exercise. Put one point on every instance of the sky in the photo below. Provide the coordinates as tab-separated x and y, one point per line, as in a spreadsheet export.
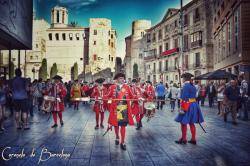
121	12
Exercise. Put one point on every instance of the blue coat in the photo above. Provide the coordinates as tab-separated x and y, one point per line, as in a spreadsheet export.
194	114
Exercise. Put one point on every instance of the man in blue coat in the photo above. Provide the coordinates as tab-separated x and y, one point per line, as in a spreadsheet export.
160	91
190	112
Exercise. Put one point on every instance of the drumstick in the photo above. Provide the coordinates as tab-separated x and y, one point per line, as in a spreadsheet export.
93	99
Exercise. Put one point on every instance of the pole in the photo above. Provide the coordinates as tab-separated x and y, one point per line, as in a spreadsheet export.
181	41
18	63
9	62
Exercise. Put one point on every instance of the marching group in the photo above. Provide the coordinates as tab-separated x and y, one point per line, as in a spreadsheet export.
124	101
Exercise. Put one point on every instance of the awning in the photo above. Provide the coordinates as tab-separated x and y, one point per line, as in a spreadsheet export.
169	52
244	68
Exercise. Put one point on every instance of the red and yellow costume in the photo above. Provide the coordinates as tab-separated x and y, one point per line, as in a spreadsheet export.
58	91
120	112
137	108
75	92
100	106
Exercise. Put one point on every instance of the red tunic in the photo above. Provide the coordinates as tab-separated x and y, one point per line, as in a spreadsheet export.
59	91
125	91
85	88
149	93
136	107
99	93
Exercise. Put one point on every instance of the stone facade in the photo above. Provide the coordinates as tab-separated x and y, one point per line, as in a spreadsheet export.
164	58
135	47
231	35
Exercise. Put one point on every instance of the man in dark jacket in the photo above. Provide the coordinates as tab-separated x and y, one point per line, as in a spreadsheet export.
211	92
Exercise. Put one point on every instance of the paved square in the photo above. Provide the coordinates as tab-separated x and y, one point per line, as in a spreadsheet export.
223	144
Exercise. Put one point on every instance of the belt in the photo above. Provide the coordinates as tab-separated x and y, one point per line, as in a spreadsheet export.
192	100
122	107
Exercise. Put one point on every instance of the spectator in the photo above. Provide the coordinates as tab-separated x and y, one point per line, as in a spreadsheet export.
2	105
19	91
198	88
232	94
244	96
174	96
220	97
202	94
30	92
211	92
161	91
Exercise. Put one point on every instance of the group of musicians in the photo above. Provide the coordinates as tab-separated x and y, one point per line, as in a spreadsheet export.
125	101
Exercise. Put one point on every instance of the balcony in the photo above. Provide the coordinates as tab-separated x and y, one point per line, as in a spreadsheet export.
170	52
196	44
151	57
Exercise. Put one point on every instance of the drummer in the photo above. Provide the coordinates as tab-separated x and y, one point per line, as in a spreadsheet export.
190	111
137	107
149	92
120	111
100	106
59	92
75	92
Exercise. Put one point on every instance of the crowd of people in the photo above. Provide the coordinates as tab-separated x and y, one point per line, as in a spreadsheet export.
124	101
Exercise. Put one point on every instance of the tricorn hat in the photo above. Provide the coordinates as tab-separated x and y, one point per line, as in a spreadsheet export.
57	77
100	80
134	80
187	75
149	82
119	75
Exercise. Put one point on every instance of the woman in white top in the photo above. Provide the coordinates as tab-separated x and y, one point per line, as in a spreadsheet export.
173	95
220	97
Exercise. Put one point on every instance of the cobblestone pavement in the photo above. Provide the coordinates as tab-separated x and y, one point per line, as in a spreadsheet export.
223	144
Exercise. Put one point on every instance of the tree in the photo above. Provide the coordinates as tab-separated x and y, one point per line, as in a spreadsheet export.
53	70
43	70
12	70
135	71
75	71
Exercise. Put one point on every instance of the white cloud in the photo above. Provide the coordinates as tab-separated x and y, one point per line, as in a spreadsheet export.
76	4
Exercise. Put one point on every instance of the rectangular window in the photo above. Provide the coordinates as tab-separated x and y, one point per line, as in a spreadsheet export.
112	36
160	35
175	43
197	59
77	36
166	47
148	38
154	37
166	28
185	42
112	59
175	24
63	36
95	32
166	65
196	15
185	22
57	36
160	63
160	49
94	42
109	42
112	44
70	36
236	29
176	63
154	69
229	31
186	61
63	15
50	36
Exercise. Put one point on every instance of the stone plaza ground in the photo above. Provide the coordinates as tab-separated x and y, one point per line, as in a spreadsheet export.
223	144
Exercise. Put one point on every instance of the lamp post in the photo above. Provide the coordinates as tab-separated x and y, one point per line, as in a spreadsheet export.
180	63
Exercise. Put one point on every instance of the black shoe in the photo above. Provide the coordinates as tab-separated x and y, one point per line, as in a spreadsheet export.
61	123
116	141
235	123
97	127
218	113
123	146
225	118
102	126
192	142
181	141
19	128
138	126
55	125
26	128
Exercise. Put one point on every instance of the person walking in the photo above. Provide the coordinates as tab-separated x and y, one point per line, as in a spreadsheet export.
160	91
19	91
220	97
202	94
244	93
2	105
232	94
211	92
174	91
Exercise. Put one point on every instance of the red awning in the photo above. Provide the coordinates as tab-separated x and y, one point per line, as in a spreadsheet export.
169	52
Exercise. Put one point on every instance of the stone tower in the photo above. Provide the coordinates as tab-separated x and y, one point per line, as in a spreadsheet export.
59	17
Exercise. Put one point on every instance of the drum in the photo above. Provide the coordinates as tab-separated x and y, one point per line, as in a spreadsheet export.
149	110
47	103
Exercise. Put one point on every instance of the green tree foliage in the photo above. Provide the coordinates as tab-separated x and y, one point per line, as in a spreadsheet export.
43	70
53	70
135	71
